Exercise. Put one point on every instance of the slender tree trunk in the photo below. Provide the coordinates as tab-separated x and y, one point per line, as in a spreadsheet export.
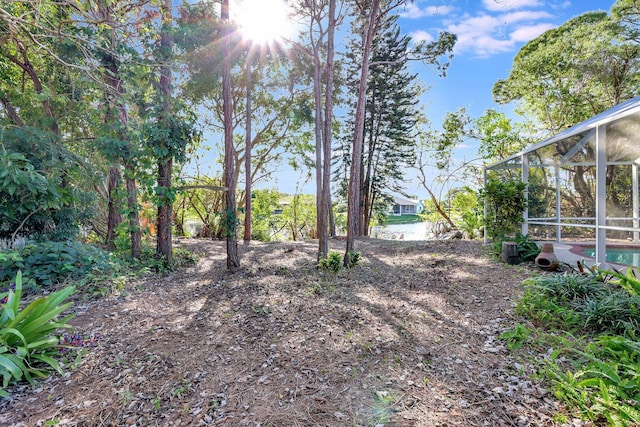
135	233
113	212
319	129
353	191
165	165
247	157
332	219
323	229
233	261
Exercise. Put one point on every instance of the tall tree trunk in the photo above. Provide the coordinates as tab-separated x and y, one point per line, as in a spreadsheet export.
247	157
323	229
319	129
114	94
165	165
332	219
353	191
233	261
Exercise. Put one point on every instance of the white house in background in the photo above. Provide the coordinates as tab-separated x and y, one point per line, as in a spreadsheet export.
402	206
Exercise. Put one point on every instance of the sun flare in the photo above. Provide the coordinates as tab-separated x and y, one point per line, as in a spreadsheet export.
263	21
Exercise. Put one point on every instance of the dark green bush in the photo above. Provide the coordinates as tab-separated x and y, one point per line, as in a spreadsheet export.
527	248
505	202
578	302
46	263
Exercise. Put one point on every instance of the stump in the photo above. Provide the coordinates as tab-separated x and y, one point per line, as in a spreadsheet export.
510	253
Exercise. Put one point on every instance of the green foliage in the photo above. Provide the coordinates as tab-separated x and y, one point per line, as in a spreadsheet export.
604	380
298	217
36	197
598	375
263	204
27	346
627	281
354	259
332	263
49	262
586	49
499	138
467	210
516	337
528	249
578	302
506	202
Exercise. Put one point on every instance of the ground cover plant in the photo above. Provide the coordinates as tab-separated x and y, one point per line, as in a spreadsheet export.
591	321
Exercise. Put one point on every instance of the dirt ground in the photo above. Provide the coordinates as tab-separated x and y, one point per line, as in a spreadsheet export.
408	338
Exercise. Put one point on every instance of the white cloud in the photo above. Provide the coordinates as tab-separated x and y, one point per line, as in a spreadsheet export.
419	36
497	26
413	11
524	16
487	34
504	5
524	34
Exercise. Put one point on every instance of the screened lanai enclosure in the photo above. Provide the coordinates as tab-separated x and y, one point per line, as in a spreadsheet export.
582	184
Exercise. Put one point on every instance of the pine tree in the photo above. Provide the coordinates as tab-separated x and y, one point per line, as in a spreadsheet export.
391	113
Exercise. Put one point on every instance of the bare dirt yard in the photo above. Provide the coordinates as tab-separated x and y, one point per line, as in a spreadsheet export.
407	338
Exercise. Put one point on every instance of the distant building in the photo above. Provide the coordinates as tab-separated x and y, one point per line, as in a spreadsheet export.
402	206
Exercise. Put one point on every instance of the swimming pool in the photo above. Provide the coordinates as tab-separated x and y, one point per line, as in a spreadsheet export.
625	256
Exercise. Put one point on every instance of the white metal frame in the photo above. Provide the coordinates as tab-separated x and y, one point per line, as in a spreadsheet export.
597	125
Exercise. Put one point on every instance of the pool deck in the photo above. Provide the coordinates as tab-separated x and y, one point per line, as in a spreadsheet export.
564	253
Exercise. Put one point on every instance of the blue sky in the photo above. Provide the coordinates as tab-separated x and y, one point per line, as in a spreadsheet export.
490	34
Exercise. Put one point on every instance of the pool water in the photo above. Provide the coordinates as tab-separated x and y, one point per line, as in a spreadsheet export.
627	256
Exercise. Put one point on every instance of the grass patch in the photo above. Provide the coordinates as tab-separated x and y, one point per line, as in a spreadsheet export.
402	219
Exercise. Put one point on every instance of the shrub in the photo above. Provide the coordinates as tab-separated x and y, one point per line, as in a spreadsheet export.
27	346
527	248
598	374
505	201
50	262
332	263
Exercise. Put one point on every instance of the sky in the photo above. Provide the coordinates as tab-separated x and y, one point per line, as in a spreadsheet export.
490	34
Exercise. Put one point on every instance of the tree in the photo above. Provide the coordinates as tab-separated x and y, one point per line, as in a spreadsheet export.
570	73
353	189
390	123
117	122
43	108
233	261
165	154
428	53
247	156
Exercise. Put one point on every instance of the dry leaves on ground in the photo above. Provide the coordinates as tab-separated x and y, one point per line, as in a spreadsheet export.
408	338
